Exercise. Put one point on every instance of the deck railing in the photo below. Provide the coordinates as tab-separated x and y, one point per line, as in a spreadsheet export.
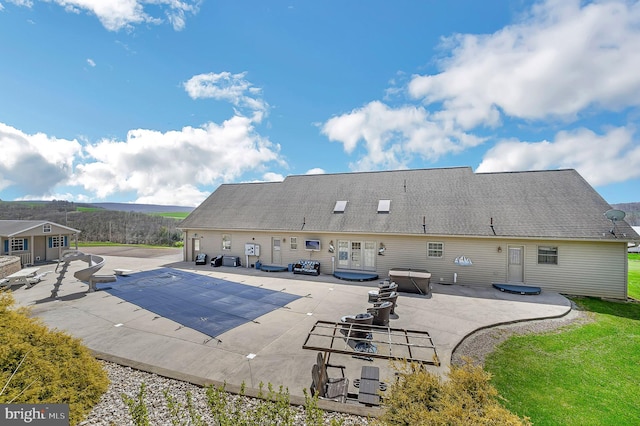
25	259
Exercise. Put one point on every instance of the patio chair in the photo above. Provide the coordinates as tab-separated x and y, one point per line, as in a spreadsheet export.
391	297
380	312
387	286
333	389
357	324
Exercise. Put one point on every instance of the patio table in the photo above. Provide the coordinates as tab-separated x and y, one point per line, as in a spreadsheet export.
21	277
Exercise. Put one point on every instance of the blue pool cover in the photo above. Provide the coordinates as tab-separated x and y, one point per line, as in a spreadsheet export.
206	304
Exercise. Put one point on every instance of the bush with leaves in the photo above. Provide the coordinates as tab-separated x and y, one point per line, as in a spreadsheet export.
39	365
420	397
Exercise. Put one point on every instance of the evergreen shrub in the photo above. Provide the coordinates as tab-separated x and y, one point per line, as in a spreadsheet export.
39	365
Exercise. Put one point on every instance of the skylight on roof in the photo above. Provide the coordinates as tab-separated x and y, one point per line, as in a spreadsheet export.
384	206
340	206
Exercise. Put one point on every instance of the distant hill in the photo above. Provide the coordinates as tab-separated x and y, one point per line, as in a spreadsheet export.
632	210
115	222
141	208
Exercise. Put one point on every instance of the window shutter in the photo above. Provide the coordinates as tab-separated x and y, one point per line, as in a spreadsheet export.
26	244
6	246
50	242
66	241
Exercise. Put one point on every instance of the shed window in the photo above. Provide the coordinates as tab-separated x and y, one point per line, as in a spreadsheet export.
293	243
18	244
46	228
226	242
58	242
340	206
547	255
384	206
435	249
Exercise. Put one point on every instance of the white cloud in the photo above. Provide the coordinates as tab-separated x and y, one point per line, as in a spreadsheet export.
91	62
24	3
391	136
315	171
563	58
600	159
120	14
35	163
273	177
225	86
168	168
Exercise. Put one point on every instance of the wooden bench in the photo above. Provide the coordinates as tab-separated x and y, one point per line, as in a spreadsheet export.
334	389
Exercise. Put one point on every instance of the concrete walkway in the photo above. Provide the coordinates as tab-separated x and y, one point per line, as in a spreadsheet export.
122	331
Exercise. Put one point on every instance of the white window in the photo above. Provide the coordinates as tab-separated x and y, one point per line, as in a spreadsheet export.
293	243
57	242
547	255
46	228
435	250
17	244
226	242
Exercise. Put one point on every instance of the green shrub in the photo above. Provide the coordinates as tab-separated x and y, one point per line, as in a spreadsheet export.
39	365
420	397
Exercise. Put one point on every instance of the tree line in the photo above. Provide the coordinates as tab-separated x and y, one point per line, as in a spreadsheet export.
98	224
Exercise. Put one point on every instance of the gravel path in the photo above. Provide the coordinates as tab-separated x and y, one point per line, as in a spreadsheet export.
111	410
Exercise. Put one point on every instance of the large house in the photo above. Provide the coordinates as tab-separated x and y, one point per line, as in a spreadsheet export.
35	240
541	228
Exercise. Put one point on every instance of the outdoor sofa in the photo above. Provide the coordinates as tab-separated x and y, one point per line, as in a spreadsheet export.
308	267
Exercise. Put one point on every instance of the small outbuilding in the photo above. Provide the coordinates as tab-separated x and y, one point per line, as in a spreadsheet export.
547	229
35	241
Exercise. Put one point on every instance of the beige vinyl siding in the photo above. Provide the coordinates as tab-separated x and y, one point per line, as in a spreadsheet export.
587	269
584	268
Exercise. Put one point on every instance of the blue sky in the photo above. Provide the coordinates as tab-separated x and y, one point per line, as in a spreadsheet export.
161	101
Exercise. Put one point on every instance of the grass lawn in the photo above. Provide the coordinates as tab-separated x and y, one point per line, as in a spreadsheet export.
585	375
107	244
634	275
173	215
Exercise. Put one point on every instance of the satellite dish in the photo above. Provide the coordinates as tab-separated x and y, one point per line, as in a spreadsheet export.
614	215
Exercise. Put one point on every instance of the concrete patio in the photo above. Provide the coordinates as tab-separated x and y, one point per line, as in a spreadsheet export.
268	350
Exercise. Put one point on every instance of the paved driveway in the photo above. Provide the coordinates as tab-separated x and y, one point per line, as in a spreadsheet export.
269	349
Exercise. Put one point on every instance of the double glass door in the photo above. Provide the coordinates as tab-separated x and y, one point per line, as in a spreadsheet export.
359	255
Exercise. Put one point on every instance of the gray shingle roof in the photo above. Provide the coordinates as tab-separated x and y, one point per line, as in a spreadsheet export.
449	201
12	227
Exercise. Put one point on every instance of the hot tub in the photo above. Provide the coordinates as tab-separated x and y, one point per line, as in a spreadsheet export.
411	280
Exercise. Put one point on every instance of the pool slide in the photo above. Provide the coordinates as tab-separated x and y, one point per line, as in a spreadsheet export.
88	274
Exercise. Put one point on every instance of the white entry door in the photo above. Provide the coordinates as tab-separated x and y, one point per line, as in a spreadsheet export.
516	264
276	253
